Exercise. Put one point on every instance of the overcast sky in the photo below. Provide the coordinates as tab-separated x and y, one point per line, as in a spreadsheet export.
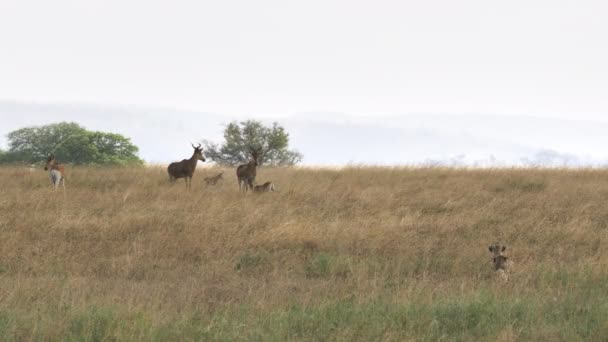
287	59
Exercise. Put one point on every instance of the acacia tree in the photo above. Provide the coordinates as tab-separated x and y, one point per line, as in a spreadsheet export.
251	137
71	143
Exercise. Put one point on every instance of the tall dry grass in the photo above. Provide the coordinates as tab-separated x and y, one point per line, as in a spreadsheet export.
358	253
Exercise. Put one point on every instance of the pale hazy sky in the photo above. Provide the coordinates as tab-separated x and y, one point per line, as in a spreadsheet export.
531	57
410	80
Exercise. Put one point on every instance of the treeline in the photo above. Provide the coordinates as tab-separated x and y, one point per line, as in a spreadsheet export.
72	143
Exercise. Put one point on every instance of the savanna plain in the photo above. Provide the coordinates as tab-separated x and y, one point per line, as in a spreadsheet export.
359	253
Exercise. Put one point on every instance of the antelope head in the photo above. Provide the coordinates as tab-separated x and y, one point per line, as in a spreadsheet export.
50	160
255	158
498	258
497	249
198	152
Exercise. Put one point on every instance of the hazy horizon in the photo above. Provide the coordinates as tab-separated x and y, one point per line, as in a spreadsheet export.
164	135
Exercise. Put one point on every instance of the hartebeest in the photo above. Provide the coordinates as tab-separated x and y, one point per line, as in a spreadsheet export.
246	173
56	171
185	168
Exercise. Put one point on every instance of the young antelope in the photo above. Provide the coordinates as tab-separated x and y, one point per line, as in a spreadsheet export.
213	180
266	187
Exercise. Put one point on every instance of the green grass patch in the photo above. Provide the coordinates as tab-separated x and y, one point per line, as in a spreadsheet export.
325	265
318	266
248	261
482	316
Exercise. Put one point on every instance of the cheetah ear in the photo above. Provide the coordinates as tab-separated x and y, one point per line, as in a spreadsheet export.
504	248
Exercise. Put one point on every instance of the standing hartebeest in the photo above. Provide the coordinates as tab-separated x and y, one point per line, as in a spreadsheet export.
246	173
56	171
185	168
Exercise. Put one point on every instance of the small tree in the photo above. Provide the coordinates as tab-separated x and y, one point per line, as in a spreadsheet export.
251	137
71	143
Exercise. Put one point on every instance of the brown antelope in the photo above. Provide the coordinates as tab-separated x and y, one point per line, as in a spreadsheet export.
246	173
185	168
266	187
213	180
56	171
501	263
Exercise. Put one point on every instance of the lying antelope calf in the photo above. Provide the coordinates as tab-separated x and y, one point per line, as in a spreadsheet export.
501	263
266	187
213	180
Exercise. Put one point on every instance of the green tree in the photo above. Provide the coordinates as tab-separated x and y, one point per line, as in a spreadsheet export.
114	149
71	143
3	156
246	138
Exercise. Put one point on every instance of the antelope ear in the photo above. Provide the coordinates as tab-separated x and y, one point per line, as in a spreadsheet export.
504	248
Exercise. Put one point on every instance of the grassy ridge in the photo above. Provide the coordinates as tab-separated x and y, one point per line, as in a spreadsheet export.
359	253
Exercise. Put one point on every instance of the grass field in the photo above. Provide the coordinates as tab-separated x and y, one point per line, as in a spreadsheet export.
352	254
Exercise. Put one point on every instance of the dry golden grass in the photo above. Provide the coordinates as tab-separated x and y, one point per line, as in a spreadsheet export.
358	253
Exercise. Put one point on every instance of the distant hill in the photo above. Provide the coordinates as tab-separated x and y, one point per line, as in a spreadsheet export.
164	135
